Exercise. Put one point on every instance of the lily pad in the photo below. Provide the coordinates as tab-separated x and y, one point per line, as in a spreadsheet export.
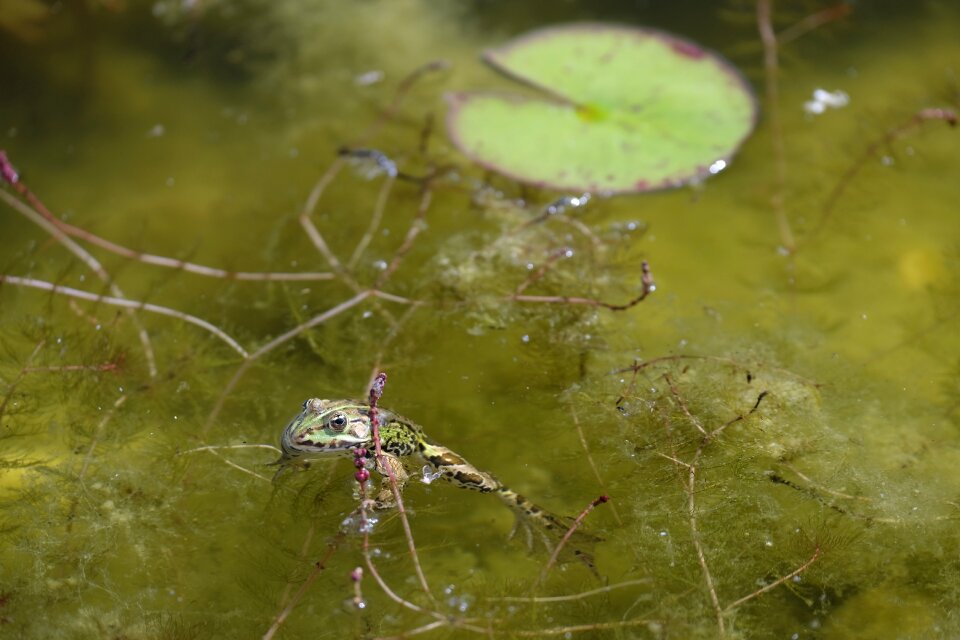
620	109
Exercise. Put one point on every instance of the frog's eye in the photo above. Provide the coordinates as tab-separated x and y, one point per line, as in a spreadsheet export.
338	422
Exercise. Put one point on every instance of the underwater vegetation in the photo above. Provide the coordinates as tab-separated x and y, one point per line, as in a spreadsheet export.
736	402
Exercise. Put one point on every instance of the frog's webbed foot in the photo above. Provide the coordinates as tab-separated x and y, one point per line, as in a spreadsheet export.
548	530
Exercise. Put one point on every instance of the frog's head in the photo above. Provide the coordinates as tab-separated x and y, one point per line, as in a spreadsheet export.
327	426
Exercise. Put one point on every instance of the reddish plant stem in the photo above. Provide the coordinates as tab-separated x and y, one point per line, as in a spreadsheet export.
648	287
536	276
38	214
126	303
403	88
356	576
566	537
771	68
416	227
376	391
12	387
318	568
107	366
593	465
817	552
814	21
915	122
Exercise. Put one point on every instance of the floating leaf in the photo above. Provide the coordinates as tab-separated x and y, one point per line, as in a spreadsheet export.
622	109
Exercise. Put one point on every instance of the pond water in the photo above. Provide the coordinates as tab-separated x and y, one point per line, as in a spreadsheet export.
776	426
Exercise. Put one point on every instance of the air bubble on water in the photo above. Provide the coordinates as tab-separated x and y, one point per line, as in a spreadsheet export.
717	167
525	338
428	475
367	526
380	264
368	78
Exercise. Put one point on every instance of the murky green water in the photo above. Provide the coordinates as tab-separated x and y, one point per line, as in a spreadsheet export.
199	135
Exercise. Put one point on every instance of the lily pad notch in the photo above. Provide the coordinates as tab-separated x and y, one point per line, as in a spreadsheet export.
617	109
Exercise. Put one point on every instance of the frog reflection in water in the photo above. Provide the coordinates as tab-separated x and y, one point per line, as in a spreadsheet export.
329	427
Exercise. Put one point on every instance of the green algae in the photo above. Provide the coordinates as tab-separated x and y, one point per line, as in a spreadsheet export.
111	526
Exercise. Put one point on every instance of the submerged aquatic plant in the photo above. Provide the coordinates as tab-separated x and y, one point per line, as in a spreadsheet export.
622	109
740	507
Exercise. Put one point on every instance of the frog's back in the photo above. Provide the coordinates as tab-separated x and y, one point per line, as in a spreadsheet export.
399	436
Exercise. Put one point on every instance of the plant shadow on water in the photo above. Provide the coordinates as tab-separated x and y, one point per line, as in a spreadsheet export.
757	488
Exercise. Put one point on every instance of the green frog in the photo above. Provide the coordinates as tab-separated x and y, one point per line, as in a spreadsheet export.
327	427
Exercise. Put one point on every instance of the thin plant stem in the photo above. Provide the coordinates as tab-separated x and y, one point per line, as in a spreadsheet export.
416	227
43	221
273	344
691	484
12	387
183	265
817	552
574	596
66	368
578	628
318	568
403	88
771	69
317	238
536	276
375	220
96	436
648	287
640	365
430	626
566	537
916	121
690	487
230	446
376	390
593	465
683	405
304	550
127	304
814	21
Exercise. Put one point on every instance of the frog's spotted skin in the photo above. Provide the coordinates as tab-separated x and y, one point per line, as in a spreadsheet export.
326	427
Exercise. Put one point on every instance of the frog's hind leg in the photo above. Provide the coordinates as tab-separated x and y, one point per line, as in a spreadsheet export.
543	527
548	528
